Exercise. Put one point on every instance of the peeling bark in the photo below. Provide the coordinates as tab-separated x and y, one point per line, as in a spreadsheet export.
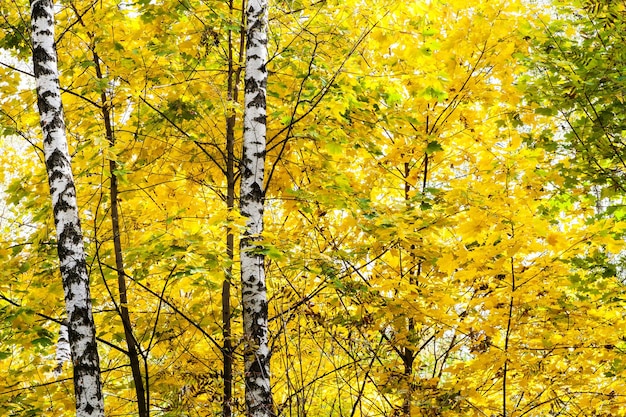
63	349
254	293
81	328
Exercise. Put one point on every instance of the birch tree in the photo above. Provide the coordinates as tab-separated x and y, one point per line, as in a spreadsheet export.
82	334
254	291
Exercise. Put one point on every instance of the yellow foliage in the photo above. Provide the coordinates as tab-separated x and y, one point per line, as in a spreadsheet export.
419	252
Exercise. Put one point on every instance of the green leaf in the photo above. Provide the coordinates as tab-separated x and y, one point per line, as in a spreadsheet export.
433	147
272	252
545	111
43	342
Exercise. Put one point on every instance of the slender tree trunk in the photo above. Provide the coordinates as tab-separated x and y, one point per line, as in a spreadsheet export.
408	355
227	348
254	291
82	332
233	97
131	342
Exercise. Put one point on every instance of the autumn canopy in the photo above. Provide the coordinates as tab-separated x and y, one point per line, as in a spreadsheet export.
312	208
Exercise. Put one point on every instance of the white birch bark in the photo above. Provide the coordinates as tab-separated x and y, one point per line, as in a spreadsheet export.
64	354
254	293
81	329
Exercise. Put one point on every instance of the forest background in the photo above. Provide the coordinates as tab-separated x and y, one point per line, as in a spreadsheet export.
444	219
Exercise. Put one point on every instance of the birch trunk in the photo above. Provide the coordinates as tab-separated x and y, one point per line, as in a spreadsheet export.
81	329
254	292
